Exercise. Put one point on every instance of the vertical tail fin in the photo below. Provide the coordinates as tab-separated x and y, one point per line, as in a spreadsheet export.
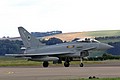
29	41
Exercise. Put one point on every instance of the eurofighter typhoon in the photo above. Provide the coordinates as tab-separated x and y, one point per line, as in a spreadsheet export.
37	51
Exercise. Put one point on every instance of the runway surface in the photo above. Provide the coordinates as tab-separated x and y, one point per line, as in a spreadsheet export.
60	73
57	73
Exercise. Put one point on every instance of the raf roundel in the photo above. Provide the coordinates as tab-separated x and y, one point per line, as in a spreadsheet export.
29	37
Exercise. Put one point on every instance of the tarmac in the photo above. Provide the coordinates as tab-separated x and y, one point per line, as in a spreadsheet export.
109	70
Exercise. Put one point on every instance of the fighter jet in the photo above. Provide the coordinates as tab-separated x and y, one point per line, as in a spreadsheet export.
37	51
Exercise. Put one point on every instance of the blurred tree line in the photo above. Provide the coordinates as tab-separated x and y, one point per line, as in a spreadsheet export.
116	49
9	47
52	41
12	47
107	37
105	56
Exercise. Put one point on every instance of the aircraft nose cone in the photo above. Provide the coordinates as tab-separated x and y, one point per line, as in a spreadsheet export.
105	46
109	46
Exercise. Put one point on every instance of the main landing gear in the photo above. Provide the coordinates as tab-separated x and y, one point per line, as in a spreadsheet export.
66	63
45	64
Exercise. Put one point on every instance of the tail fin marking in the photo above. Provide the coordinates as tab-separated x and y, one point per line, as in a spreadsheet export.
29	40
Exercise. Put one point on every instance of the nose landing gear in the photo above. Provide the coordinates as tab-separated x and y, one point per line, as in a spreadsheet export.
81	63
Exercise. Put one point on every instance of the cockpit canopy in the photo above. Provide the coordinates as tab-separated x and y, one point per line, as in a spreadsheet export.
87	40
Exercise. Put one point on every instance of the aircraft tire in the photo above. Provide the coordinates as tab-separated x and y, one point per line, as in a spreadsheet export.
45	64
81	64
66	64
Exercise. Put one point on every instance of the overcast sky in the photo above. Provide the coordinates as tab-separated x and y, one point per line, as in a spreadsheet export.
64	15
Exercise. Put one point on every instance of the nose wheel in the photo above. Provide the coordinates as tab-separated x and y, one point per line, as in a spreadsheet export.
81	62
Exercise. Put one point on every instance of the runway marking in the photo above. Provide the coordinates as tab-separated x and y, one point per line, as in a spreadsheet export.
10	72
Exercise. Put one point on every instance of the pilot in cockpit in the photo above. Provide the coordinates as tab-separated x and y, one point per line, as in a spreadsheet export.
88	40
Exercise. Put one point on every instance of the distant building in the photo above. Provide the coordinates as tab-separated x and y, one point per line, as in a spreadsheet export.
43	34
11	38
36	34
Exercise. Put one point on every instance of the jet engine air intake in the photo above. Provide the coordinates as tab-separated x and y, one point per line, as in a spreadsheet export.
84	54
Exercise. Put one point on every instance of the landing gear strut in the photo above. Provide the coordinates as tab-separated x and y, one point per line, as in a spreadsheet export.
81	59
45	64
81	63
83	54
